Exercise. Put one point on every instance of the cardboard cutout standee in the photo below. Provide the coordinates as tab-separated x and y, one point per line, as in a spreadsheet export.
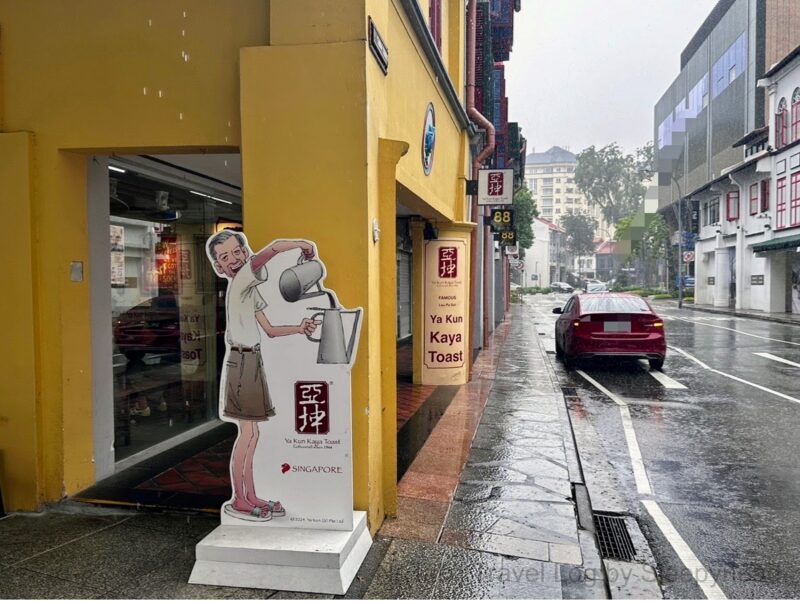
285	382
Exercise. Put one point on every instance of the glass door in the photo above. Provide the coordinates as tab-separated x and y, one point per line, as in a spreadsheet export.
168	318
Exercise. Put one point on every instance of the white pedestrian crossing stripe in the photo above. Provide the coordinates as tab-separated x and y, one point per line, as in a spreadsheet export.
662	378
772	357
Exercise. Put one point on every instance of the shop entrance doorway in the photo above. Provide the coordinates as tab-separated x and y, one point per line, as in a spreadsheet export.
158	305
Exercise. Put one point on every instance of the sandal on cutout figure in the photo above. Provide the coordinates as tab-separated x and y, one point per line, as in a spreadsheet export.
255	513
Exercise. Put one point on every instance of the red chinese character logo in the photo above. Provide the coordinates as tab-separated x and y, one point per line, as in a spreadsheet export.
448	263
495	183
311	414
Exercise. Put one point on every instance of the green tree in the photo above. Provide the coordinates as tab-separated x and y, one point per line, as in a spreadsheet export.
612	180
524	212
644	239
579	238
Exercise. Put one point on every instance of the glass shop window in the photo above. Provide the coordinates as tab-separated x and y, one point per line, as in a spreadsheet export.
168	308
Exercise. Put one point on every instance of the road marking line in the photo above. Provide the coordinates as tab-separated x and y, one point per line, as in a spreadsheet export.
767	355
736	378
682	549
663	378
639	472
684	552
688	356
752	335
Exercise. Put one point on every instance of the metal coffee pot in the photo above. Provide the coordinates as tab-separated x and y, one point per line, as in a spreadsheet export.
332	346
295	282
294	285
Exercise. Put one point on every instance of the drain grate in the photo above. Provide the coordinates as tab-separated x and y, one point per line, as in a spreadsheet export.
613	538
569	391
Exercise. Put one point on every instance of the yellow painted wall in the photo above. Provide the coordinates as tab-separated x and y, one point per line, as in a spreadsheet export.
74	75
85	77
19	453
411	85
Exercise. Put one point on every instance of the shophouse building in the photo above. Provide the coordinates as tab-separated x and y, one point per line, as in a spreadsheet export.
131	132
711	151
546	260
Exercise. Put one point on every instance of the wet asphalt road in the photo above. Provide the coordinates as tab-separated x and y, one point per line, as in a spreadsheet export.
722	456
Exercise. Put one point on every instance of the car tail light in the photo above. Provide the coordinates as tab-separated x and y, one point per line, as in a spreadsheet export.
653	324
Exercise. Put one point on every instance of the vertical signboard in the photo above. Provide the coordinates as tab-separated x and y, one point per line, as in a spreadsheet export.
445	313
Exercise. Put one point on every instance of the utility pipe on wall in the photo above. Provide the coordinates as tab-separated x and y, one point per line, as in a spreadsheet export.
477	117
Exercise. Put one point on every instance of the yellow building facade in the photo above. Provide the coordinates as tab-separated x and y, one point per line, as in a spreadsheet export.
330	147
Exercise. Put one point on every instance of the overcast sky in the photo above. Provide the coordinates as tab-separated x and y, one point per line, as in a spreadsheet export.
588	72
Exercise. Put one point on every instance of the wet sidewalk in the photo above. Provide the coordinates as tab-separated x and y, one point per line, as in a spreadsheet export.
486	510
493	516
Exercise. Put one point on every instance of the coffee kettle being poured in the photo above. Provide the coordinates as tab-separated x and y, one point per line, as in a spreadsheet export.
295	284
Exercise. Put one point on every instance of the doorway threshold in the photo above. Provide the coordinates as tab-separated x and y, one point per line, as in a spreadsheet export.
191	476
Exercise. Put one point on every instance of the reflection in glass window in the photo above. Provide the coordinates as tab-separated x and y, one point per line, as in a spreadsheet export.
167	305
729	66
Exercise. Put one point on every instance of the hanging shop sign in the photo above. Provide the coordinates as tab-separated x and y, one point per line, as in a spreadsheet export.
507	238
501	219
428	139
445	312
286	384
495	187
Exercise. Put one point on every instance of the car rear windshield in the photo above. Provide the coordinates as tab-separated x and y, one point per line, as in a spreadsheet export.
613	304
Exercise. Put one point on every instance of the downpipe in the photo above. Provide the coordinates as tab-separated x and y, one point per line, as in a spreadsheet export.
477	163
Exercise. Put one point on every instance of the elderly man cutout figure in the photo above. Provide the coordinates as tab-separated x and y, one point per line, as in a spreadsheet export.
244	392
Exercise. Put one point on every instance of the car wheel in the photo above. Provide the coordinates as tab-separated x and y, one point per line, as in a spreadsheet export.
559	350
656	363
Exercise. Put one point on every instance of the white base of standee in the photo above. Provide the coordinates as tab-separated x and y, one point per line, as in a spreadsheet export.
287	559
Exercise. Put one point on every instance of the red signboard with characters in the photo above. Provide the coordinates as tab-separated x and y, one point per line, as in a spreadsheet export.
495	183
311	412
448	262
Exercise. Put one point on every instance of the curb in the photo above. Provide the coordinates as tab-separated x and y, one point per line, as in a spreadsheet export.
733	313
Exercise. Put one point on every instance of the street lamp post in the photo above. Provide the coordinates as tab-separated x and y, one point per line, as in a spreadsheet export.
680	243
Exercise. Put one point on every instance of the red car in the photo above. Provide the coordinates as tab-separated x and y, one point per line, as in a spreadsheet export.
609	324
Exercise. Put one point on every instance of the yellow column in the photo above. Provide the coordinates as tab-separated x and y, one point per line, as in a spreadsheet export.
305	174
19	442
389	153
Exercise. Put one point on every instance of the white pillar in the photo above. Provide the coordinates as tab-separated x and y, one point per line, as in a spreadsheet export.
740	250
722	276
775	276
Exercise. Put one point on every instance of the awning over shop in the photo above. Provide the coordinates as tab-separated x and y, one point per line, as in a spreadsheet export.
781	243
